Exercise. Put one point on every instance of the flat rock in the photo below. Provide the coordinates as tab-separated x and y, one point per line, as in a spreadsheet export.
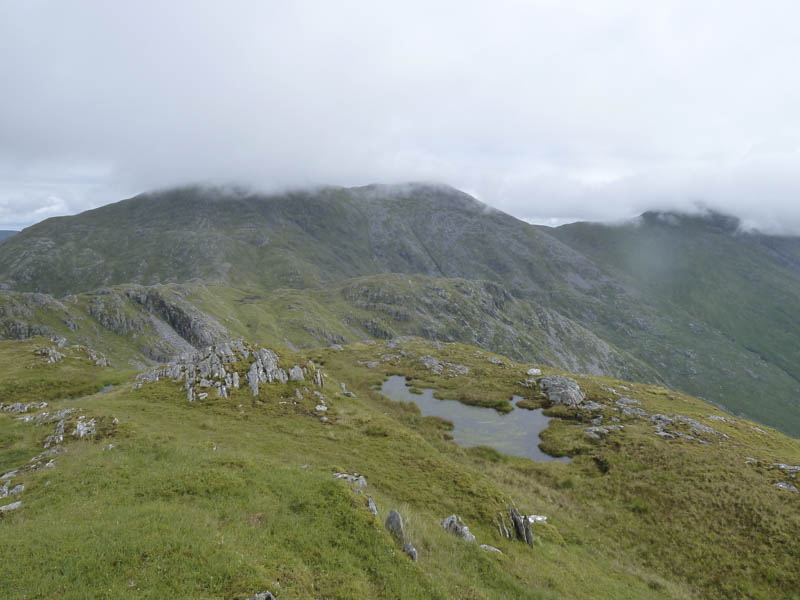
10	507
785	486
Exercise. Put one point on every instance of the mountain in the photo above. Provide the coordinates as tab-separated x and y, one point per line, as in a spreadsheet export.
686	301
6	233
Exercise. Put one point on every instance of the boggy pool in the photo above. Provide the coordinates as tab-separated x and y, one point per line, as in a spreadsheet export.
515	433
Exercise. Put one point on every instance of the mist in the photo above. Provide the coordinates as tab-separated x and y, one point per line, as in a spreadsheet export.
549	111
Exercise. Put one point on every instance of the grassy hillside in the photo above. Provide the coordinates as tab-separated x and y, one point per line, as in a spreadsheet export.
232	496
685	301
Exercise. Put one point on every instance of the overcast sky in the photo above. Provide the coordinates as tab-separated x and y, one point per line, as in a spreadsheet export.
547	110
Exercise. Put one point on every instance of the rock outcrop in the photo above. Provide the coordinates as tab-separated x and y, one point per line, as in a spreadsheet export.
562	390
456	526
215	367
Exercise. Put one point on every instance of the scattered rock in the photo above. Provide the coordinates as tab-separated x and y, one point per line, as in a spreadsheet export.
456	526
15	491
601	432
394	524
262	596
438	367
10	507
533	372
786	486
52	354
85	428
354	478
490	548
411	551
721	418
793	469
494	360
537	518
321	408
19	408
697	430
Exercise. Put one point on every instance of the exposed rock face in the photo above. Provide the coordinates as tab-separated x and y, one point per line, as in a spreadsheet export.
50	353
562	390
215	367
394	524
84	428
193	325
456	526
296	374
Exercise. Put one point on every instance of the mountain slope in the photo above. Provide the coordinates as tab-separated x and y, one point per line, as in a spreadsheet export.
745	286
713	332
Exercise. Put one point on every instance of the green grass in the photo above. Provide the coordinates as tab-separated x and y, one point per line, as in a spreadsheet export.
210	500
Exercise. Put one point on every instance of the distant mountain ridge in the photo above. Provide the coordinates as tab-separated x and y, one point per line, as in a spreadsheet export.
6	233
687	300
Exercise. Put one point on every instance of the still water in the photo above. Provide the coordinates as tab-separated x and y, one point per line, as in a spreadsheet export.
515	433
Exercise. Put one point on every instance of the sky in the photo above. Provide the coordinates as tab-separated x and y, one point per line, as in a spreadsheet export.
549	110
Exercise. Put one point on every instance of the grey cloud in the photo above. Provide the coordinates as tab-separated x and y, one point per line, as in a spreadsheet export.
546	110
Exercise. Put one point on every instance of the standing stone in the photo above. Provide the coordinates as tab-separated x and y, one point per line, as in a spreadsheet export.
394	524
252	378
522	526
371	505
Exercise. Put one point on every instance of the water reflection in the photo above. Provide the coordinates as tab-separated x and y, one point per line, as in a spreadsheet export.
515	433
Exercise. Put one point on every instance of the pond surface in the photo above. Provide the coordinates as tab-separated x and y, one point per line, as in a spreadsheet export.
515	433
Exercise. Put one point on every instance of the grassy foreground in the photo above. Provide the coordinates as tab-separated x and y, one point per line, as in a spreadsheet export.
234	496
